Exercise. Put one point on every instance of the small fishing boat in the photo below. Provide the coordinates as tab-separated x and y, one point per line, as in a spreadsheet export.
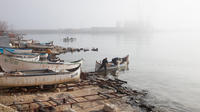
20	43
39	77
16	50
22	56
9	64
40	46
123	64
26	58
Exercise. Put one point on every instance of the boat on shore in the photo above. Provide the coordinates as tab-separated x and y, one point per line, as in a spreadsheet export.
19	42
16	50
39	77
40	46
9	64
22	56
122	65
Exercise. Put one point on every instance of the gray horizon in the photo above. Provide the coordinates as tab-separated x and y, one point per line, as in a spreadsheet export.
63	14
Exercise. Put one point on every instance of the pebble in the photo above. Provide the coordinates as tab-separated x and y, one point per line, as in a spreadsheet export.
57	89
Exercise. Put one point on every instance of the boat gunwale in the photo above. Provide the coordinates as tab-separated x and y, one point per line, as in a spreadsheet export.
41	62
15	48
14	53
44	74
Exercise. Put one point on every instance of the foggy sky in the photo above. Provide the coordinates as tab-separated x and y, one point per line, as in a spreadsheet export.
53	14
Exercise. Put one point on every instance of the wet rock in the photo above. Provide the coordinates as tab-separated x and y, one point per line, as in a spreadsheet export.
147	107
137	101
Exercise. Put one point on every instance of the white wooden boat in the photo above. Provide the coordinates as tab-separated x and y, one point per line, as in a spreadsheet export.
39	77
26	52
23	50
9	64
22	56
110	66
40	46
27	58
20	43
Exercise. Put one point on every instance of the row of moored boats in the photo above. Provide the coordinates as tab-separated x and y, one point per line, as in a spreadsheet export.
22	67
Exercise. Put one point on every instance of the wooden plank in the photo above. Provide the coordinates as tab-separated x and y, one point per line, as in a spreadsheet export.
39	103
55	101
103	94
75	101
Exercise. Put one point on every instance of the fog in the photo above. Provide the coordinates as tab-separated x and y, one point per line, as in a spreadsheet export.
58	14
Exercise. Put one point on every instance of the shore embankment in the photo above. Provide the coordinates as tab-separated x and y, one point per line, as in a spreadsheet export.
92	94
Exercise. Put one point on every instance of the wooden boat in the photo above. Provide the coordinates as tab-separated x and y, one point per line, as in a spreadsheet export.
43	56
123	64
9	64
40	46
10	52
39	77
22	56
16	50
27	58
19	43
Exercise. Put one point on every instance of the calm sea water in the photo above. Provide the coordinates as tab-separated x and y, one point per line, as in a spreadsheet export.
165	64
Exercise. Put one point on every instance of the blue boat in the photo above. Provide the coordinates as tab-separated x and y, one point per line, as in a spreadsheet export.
15	50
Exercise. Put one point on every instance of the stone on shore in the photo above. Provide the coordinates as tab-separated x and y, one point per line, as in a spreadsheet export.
109	108
4	108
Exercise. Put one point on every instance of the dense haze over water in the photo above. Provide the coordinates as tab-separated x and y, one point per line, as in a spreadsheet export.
165	64
56	14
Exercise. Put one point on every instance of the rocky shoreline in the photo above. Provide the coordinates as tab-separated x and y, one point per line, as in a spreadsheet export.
94	94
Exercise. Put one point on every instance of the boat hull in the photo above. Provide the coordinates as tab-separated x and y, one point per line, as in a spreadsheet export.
35	59
37	80
9	64
111	66
15	50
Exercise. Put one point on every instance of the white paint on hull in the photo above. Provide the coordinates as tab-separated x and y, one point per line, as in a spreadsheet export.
17	81
9	64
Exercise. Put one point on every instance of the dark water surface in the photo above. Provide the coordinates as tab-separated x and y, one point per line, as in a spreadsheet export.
165	64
